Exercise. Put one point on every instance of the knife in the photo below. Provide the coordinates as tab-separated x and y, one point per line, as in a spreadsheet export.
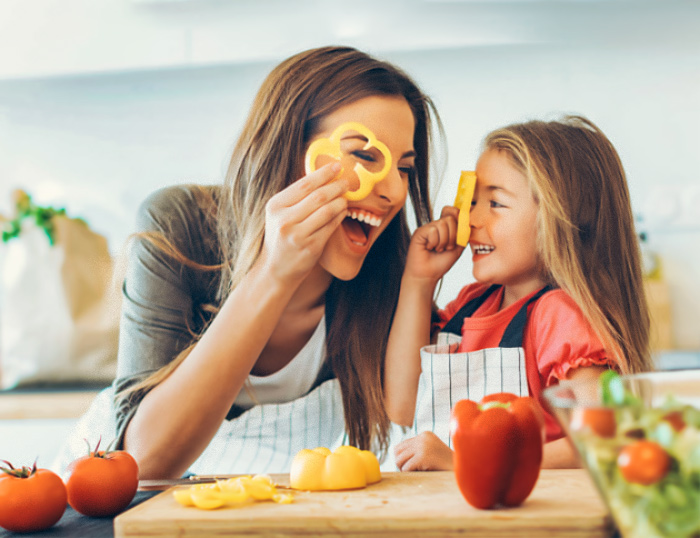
166	483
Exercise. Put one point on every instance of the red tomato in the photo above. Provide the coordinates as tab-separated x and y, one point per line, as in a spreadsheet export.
643	462
30	499
675	419
599	420
102	483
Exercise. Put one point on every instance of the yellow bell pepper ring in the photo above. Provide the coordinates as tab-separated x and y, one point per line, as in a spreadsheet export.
346	468
331	146
463	202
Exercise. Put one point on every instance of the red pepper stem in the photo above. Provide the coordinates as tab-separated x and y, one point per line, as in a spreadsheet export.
494	403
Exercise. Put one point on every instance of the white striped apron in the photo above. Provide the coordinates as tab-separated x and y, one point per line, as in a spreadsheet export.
448	376
263	439
266	437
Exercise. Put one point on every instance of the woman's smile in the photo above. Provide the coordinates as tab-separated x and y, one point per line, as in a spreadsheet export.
359	224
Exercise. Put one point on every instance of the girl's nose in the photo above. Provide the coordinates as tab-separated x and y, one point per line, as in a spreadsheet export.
476	215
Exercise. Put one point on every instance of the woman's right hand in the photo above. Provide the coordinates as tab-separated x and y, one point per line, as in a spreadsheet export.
299	221
433	249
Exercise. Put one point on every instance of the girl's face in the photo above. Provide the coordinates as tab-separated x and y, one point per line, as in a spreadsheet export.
503	223
391	120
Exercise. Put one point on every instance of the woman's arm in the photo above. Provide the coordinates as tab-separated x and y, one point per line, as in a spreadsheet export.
430	255
178	418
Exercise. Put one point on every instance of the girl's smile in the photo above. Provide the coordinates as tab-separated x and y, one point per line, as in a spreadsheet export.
480	250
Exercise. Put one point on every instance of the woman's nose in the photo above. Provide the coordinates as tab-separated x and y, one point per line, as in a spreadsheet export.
392	188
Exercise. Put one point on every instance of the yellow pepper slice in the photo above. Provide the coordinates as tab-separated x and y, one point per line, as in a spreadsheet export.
331	146
231	492
346	468
463	202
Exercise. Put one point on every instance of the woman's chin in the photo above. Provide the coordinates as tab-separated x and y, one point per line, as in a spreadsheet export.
342	268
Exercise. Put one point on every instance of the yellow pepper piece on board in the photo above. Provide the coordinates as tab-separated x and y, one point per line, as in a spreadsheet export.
183	496
463	202
206	497
231	492
331	146
346	468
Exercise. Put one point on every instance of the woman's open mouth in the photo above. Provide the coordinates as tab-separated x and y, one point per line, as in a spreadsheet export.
358	225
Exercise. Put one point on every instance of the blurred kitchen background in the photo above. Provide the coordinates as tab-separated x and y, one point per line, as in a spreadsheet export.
102	102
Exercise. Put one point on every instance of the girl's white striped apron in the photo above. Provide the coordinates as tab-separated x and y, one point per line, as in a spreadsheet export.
448	376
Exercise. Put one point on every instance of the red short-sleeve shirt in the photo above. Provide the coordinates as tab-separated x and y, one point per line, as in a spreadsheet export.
557	337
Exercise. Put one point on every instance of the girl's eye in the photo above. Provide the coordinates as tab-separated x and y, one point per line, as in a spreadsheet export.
495	204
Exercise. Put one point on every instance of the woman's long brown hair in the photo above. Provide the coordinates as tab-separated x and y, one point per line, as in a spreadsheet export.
588	245
268	157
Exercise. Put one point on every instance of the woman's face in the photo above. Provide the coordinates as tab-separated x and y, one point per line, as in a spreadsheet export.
391	120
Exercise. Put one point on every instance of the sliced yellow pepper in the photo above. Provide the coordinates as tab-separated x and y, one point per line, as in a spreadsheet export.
231	492
331	146
463	202
346	468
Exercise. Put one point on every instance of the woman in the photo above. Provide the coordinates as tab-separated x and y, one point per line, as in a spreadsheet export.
257	313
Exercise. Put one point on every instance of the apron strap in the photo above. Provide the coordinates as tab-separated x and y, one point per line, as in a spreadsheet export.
513	335
456	322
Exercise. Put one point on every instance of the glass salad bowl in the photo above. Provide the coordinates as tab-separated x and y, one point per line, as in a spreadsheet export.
639	438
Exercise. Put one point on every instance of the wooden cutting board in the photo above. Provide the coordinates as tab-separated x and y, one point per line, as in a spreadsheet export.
564	503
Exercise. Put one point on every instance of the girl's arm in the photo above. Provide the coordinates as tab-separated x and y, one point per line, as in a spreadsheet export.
410	331
560	454
430	255
178	418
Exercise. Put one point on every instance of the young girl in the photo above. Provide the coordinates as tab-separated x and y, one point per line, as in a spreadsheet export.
558	274
256	314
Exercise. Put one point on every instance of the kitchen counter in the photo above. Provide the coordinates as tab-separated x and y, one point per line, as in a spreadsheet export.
45	404
563	503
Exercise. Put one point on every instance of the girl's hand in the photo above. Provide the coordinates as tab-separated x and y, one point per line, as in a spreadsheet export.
299	221
425	452
433	249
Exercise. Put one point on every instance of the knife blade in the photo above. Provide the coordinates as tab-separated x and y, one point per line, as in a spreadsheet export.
165	483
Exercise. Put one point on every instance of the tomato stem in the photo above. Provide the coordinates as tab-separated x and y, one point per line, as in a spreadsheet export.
18	472
96	453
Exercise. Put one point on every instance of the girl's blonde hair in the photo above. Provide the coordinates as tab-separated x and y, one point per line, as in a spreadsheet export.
268	157
587	242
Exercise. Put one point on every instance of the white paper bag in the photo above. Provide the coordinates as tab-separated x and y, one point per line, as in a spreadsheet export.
59	306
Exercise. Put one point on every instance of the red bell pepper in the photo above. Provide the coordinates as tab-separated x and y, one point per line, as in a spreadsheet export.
497	449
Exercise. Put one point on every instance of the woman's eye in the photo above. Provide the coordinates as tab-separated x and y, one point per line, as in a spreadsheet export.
364	155
408	170
494	203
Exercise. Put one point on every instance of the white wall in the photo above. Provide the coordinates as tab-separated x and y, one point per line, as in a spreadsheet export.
93	117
